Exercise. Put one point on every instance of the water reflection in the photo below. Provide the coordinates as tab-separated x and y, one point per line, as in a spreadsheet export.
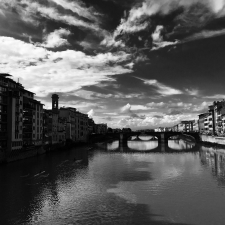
142	145
180	144
152	145
172	189
113	145
215	161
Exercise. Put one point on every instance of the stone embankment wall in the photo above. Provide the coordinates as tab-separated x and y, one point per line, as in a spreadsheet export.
18	155
214	140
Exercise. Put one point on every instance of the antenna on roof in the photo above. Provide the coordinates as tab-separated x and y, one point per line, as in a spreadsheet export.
18	80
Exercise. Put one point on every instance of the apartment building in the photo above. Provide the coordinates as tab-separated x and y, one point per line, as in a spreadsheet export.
213	121
208	123
20	116
76	124
65	123
101	128
54	125
91	126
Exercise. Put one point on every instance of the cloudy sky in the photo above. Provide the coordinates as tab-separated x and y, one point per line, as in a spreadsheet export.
127	63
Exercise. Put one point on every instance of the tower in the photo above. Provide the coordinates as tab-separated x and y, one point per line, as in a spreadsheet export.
55	102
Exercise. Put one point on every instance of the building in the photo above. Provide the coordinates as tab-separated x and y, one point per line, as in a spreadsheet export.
47	126
117	130
203	122
101	128
76	123
91	126
214	118
219	112
21	116
65	124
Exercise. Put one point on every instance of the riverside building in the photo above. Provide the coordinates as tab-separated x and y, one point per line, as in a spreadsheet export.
64	124
214	119
21	117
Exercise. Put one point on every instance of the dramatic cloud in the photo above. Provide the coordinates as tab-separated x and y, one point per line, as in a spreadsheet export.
205	34
63	71
31	11
126	109
153	121
157	39
164	57
91	113
217	96
193	92
79	8
55	39
161	88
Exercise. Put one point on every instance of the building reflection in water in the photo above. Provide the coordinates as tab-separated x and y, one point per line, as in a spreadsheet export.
215	161
180	144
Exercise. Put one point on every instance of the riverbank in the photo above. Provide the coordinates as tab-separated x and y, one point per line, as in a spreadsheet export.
212	141
23	154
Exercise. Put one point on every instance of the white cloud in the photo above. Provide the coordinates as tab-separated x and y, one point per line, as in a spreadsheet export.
91	113
151	121
79	8
109	41
156	36
55	39
43	71
33	11
205	34
138	107
218	96
126	108
201	107
156	105
135	19
161	88
157	39
194	92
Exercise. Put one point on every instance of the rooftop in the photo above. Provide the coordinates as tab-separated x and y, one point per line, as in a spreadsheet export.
5	75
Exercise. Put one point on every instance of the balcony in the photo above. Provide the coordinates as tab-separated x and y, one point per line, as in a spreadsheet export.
27	131
3	83
28	114
3	111
28	122
28	106
3	136
3	102
3	120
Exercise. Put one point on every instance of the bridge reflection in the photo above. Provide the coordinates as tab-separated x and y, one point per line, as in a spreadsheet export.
152	146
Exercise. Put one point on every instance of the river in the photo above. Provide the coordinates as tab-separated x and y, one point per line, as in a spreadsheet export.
141	184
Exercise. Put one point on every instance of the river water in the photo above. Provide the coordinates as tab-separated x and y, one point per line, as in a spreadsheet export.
141	184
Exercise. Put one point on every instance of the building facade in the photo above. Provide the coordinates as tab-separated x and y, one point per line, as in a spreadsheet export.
101	128
21	116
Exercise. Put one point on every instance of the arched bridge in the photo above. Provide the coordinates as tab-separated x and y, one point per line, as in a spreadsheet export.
162	137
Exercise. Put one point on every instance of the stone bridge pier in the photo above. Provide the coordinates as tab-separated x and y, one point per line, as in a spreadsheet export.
162	141
123	140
